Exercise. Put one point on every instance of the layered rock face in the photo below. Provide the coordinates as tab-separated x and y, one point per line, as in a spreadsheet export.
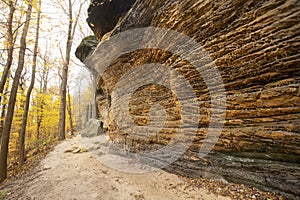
255	45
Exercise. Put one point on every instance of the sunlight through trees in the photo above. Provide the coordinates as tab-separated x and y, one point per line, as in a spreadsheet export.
38	74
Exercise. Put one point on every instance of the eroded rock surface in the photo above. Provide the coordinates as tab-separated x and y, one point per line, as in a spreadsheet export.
104	14
86	47
256	48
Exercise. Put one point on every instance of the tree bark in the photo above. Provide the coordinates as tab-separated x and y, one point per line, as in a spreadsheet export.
28	95
6	71
3	108
69	107
63	88
12	98
10	42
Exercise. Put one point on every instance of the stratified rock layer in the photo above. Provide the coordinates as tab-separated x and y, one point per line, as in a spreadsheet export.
256	48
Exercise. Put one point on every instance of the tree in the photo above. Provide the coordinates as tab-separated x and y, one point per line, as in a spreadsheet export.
70	113
10	47
40	100
12	99
63	90
6	72
3	107
28	95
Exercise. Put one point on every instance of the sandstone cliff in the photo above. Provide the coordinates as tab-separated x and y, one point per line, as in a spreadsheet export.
255	45
104	14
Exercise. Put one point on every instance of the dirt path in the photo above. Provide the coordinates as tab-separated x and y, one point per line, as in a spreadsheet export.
76	176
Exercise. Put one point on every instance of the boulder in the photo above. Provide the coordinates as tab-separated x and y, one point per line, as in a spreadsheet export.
92	129
86	47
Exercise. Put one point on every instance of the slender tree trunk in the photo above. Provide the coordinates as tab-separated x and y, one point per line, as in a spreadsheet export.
63	89
69	107
45	74
12	98
6	72
42	92
28	95
62	110
40	116
10	42
3	108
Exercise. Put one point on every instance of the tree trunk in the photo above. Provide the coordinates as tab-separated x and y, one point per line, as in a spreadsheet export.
40	116
10	42
69	107
3	108
42	92
26	109
12	98
6	71
63	88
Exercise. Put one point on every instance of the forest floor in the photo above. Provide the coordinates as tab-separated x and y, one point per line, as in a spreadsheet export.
71	172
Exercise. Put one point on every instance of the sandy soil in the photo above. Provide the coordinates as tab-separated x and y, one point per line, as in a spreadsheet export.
75	176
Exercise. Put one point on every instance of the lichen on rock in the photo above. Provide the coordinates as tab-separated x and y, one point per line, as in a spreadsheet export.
86	47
